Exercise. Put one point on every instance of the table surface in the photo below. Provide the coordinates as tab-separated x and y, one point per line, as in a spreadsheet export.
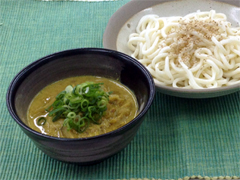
179	137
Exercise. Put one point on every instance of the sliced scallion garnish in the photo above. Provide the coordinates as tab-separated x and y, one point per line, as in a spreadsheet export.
80	105
41	121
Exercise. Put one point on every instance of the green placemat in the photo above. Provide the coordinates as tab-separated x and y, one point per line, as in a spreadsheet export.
179	137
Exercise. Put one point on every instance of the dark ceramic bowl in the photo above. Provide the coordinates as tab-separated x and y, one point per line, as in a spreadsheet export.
86	61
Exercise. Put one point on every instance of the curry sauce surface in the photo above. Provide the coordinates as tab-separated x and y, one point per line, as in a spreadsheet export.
121	109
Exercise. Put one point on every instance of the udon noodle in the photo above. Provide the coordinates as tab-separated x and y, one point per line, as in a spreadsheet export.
199	50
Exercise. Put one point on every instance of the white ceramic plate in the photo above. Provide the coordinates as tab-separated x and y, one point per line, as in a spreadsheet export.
124	21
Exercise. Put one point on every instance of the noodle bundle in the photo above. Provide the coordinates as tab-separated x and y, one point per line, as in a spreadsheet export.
199	50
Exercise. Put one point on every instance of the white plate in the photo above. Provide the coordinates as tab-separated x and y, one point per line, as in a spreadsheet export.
124	21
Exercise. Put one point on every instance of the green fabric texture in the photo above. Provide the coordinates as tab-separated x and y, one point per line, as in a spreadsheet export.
179	137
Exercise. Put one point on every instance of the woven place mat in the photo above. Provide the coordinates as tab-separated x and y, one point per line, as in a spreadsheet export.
178	139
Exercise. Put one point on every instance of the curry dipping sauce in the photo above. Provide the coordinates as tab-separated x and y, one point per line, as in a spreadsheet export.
122	107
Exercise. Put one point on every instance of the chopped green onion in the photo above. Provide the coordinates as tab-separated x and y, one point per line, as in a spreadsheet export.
41	121
80	105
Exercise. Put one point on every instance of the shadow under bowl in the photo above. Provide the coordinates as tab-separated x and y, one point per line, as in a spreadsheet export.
77	62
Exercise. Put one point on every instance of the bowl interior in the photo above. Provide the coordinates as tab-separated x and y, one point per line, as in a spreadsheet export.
89	61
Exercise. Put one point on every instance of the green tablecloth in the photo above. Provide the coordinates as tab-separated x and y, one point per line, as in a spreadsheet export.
179	137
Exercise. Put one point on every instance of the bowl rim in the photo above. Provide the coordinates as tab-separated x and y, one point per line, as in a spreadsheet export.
40	62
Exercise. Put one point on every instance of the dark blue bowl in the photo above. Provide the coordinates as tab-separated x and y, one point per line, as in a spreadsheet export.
86	61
